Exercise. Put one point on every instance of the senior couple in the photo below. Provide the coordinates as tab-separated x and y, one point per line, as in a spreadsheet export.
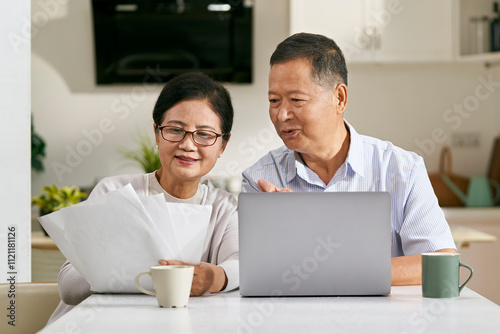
308	94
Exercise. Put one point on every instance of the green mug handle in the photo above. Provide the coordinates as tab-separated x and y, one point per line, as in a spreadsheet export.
461	264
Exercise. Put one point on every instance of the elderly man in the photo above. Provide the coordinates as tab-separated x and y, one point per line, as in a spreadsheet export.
322	152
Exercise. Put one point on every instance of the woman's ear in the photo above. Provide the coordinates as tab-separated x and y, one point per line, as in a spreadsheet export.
157	134
224	143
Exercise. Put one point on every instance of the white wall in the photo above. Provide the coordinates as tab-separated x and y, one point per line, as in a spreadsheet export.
406	104
15	227
400	103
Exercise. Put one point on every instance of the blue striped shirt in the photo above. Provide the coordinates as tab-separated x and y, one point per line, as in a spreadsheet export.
418	223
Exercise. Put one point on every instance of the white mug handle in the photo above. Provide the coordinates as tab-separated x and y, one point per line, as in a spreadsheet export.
152	293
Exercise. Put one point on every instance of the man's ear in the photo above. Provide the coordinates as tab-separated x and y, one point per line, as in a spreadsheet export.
341	96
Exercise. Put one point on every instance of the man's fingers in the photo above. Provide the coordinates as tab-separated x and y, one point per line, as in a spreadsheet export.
267	187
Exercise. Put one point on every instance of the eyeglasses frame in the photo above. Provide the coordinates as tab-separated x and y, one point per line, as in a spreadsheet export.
217	135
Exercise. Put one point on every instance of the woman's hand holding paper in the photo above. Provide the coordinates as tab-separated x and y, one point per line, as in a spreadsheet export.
207	277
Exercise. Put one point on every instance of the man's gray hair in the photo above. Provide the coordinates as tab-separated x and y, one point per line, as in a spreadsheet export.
328	67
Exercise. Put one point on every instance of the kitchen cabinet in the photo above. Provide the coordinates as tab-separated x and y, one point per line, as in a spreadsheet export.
468	31
395	30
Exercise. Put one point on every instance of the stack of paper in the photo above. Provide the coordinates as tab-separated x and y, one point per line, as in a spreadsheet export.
109	239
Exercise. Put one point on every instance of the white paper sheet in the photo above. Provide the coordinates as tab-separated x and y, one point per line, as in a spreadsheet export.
155	206
189	227
109	239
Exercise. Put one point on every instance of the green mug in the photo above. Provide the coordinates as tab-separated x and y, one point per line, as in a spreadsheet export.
441	275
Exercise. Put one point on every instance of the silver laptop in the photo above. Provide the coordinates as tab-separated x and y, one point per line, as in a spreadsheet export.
315	243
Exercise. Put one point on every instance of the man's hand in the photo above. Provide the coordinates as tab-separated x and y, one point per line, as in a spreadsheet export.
207	277
267	187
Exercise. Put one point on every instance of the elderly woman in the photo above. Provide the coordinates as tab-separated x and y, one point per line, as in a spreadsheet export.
192	117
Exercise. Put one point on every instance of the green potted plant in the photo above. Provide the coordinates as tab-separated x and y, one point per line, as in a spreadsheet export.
145	155
53	198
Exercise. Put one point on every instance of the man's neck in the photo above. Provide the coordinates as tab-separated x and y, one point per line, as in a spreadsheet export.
325	166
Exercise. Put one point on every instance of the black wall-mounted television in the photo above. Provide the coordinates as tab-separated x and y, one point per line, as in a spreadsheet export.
154	40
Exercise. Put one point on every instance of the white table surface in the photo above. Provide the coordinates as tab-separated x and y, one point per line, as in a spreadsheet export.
403	311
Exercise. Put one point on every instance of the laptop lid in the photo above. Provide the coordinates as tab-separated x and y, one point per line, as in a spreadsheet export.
315	243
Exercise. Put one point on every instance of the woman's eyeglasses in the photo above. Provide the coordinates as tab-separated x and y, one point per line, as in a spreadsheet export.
200	137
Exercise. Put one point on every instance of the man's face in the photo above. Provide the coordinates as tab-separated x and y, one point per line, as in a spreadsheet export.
306	116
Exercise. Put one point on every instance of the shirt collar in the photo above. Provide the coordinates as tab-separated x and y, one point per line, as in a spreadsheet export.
355	154
291	167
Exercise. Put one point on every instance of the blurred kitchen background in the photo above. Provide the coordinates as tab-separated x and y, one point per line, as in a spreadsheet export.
410	74
422	74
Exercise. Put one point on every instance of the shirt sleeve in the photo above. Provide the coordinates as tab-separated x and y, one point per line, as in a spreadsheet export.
247	186
73	288
424	227
228	254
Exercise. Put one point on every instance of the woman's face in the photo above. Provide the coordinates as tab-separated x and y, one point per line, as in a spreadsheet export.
185	160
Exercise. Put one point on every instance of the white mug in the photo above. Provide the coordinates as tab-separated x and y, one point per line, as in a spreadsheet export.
172	284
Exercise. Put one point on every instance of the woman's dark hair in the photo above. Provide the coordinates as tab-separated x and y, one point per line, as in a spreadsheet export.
328	66
196	86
